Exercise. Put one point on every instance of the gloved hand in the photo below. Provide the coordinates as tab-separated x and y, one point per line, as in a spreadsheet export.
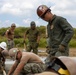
61	48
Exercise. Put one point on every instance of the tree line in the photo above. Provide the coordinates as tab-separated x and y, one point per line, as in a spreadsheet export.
19	34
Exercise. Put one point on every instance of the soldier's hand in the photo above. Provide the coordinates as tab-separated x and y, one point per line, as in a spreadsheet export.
61	48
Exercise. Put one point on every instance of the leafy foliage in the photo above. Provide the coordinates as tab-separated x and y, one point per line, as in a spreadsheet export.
19	34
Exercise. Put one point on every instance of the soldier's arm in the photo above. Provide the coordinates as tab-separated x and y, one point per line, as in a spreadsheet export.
38	37
68	29
13	68
6	34
20	66
25	34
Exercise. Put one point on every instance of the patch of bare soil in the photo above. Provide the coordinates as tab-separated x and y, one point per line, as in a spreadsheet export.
72	52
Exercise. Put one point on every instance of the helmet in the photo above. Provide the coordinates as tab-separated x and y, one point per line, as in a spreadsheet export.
5	53
13	25
3	45
41	10
13	52
32	23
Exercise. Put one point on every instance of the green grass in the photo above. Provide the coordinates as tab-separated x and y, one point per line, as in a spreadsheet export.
73	43
42	43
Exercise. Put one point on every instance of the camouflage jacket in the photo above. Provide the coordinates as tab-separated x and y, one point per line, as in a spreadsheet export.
59	31
32	34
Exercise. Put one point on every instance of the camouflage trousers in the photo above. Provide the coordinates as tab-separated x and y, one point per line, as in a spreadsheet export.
57	52
10	44
1	68
32	46
32	68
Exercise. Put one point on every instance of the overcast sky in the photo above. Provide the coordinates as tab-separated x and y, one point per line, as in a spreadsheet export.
22	12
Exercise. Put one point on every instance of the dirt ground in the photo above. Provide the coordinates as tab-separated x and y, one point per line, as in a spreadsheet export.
72	52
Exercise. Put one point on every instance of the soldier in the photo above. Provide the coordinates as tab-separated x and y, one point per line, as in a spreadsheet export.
3	46
27	62
59	31
33	38
10	36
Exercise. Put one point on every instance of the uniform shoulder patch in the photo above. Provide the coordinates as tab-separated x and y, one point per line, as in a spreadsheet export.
52	26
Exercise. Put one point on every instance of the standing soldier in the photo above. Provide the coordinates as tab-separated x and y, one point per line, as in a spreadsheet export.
33	37
10	36
59	31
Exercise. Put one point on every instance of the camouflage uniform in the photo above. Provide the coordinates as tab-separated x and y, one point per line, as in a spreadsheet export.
32	38
32	68
10	44
60	33
2	63
10	41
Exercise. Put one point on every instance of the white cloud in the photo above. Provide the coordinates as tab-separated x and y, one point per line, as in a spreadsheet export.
26	9
17	7
27	22
64	6
0	21
5	23
8	8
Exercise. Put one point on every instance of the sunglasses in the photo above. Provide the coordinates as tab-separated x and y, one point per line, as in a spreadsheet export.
43	16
